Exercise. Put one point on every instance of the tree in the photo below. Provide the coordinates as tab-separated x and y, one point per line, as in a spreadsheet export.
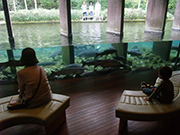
139	4
35	4
14	4
172	6
25	4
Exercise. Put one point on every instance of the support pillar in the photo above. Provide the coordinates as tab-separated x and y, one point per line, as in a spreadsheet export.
65	17
68	54
176	22
115	18
156	16
162	49
10	58
67	50
8	24
121	50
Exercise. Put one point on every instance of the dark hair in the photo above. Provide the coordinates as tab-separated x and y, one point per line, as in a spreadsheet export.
165	72
28	57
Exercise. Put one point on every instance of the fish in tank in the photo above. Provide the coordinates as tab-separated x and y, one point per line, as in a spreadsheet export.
97	59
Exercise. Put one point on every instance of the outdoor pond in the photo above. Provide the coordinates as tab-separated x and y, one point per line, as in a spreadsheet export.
48	35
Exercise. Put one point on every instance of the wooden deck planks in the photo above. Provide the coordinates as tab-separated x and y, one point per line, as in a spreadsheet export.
92	108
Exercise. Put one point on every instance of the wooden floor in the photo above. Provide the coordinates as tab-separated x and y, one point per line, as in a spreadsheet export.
92	107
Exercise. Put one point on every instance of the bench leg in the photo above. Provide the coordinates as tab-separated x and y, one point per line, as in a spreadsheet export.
50	129
122	123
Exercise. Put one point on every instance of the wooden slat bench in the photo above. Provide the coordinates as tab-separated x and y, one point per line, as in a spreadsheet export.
133	106
51	115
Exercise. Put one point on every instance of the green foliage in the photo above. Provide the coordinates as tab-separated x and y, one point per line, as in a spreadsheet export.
131	4
76	4
53	15
134	14
134	4
104	14
172	6
49	4
35	15
76	15
131	11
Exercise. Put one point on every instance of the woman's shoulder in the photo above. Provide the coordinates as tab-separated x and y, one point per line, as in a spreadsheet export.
29	68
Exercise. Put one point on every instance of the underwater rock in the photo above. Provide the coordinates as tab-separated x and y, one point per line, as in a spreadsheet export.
134	52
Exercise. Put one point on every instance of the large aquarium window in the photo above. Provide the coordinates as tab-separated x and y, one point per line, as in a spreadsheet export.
76	61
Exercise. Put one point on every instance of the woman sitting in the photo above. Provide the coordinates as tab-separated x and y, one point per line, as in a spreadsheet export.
34	88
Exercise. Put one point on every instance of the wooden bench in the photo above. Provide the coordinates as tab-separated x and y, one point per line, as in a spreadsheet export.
133	106
51	115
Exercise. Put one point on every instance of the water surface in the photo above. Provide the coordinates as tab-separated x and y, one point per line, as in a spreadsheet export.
48	35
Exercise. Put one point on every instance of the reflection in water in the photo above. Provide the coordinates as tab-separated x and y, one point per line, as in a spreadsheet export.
134	33
148	36
90	33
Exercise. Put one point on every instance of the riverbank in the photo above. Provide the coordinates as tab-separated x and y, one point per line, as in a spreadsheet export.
74	21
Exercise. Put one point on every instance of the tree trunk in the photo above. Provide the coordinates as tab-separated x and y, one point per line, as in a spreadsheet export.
25	5
35	3
14	4
139	4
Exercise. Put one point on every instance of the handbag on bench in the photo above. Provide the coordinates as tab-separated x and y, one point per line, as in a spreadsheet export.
16	102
